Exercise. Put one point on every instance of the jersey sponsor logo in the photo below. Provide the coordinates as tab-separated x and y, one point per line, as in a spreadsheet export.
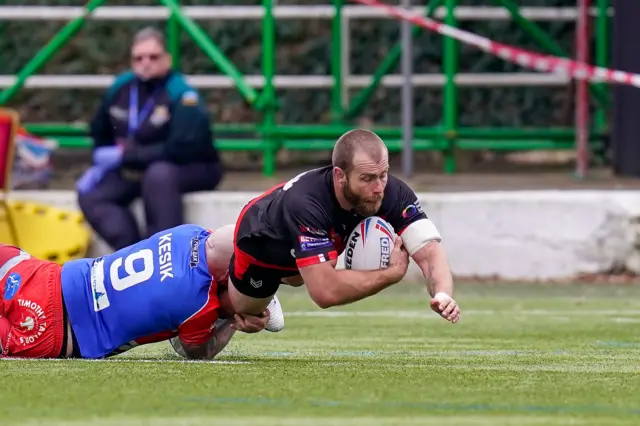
336	239
313	231
33	322
194	257
351	245
13	283
385	252
164	257
412	210
313	243
100	298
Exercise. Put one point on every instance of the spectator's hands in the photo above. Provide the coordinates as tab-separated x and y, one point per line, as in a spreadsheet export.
90	179
108	157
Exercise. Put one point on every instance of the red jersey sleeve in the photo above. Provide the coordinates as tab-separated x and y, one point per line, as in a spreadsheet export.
309	225
200	327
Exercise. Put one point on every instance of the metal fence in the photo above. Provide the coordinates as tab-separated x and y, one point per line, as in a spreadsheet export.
260	91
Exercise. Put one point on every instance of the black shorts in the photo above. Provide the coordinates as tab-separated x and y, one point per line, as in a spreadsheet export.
253	277
259	263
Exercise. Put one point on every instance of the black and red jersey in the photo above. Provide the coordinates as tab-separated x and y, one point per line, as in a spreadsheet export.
300	223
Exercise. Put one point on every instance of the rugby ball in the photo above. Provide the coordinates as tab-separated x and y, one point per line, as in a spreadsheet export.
369	246
177	346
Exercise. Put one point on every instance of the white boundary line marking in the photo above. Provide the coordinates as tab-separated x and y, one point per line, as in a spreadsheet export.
428	314
133	360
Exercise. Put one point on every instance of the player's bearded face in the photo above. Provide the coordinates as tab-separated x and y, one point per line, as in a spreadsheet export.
365	197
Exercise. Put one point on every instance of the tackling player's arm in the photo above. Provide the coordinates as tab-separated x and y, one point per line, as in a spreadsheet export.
201	340
422	241
218	340
198	335
316	258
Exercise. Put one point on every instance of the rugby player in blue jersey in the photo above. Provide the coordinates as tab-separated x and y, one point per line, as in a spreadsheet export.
169	286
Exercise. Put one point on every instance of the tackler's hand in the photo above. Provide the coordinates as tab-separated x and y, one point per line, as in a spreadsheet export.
445	306
250	323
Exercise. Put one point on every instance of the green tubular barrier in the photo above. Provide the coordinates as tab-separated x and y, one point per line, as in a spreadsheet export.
267	135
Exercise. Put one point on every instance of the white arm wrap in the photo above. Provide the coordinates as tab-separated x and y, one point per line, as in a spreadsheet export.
419	234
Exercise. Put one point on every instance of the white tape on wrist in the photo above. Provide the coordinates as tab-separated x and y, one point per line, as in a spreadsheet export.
442	296
419	234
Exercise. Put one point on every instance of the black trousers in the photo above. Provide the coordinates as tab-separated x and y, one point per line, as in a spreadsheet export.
106	208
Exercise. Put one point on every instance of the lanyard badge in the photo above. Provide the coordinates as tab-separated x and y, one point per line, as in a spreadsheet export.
136	118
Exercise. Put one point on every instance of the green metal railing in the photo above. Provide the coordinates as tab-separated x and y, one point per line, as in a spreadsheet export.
269	136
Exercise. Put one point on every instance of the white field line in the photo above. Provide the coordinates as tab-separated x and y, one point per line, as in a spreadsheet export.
133	360
474	419
519	368
428	314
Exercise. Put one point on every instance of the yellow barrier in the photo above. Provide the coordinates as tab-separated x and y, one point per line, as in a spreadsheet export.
46	232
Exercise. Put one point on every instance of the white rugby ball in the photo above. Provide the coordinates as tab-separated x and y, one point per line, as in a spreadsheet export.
369	246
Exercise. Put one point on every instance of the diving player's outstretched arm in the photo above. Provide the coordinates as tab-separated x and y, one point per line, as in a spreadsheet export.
330	287
432	260
423	243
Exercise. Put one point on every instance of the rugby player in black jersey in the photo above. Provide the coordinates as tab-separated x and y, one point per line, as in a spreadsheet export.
294	233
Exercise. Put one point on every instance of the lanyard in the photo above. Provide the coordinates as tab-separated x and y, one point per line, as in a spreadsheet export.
136	119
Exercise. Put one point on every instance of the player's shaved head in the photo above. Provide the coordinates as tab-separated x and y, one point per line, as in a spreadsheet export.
220	249
360	165
357	141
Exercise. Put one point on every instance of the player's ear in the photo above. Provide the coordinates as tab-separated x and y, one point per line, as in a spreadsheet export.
339	175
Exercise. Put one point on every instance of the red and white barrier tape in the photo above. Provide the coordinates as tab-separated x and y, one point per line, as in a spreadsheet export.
524	58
